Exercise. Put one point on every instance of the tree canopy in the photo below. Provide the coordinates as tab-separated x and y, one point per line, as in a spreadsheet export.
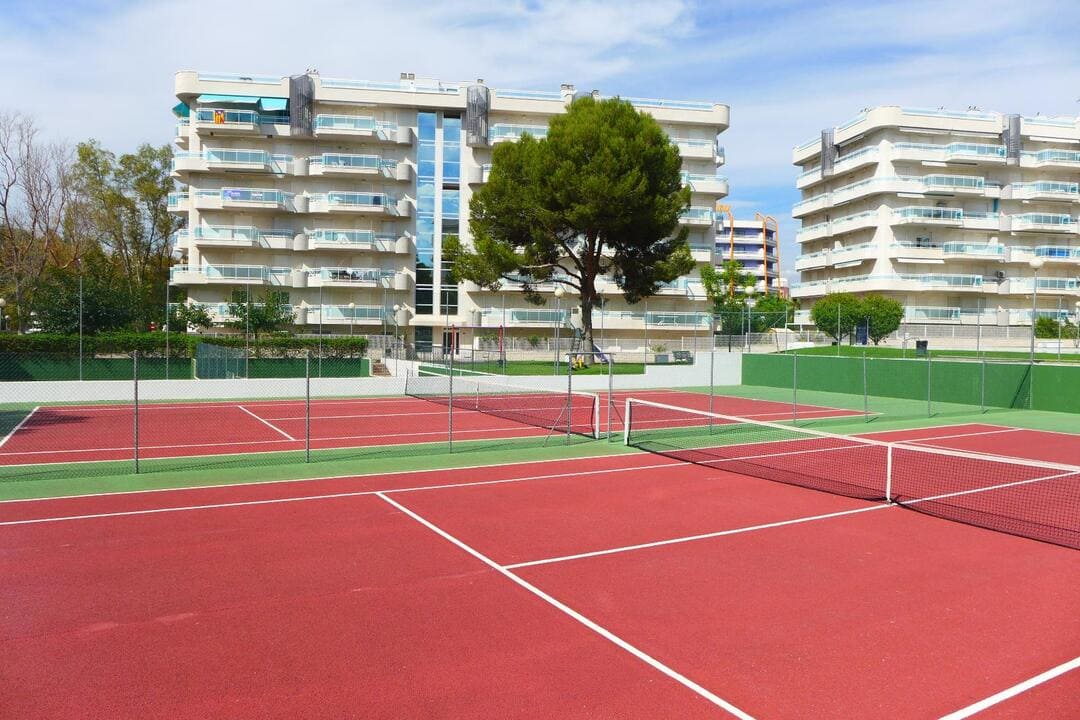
838	314
601	194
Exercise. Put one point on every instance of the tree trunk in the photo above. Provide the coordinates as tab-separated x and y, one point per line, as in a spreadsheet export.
587	304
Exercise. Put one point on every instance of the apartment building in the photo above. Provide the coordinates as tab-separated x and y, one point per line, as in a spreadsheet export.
339	192
960	215
754	245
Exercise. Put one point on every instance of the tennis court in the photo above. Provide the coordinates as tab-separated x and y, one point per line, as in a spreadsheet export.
96	432
635	585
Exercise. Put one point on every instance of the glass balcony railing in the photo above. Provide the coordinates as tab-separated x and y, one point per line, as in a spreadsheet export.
353	199
677	318
1054	156
247	195
176	199
1064	189
1057	251
693	142
957	149
344	122
239	273
702	214
505	131
350	275
674	104
959	248
229	77
1052	220
928	213
349	162
223	116
948	182
527	316
851	157
529	94
360	239
939	280
345	313
400	86
691	178
917	314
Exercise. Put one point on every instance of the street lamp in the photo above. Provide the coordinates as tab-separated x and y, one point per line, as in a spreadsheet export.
559	292
1035	263
750	290
352	316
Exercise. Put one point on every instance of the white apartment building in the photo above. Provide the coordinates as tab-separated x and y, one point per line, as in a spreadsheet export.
945	211
339	192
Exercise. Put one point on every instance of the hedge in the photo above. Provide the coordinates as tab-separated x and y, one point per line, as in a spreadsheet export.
180	345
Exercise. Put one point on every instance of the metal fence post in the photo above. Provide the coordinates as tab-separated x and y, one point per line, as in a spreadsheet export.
135	406
794	387
610	393
982	387
569	396
929	383
307	407
450	408
865	389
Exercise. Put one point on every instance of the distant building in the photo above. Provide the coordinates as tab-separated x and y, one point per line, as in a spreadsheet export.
944	211
754	244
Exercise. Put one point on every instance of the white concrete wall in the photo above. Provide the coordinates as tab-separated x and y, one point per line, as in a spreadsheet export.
727	370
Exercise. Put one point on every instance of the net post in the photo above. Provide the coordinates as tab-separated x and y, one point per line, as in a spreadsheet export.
712	359
135	407
626	422
307	407
569	397
888	473
450	407
610	393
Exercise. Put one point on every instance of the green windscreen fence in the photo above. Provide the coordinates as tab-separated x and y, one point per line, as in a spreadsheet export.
217	362
976	383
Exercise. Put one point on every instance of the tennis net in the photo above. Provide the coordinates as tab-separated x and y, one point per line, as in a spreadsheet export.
556	410
1037	500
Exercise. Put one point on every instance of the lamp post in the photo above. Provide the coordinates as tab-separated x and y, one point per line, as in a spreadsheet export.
750	290
352	317
1035	263
559	292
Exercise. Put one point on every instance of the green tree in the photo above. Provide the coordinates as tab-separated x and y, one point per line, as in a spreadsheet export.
124	207
836	315
772	311
105	305
270	313
600	195
185	315
883	316
721	285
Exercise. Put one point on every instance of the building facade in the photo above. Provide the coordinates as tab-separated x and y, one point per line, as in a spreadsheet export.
754	244
338	193
959	215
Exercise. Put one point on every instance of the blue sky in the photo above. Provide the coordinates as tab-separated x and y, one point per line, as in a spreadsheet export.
104	68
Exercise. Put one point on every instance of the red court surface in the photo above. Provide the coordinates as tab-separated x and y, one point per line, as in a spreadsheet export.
613	587
80	433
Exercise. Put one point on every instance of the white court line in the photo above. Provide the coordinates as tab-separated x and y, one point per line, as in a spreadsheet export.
567	610
18	426
259	483
693	538
439	433
326	496
267	423
1014	690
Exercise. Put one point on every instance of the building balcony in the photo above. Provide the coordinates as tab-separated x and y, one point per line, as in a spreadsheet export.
356	277
1044	223
241	236
361	127
697	216
222	121
991	221
524	317
709	184
959	152
918	215
974	251
889	282
695	149
702	250
674	320
248	199
357	203
807	178
1063	159
342	315
853	222
812	261
856	159
181	240
230	275
509	132
183	129
808	233
356	240
1048	285
806	151
1046	190
178	202
227	160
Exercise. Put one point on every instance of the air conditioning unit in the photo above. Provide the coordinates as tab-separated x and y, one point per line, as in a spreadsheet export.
999	275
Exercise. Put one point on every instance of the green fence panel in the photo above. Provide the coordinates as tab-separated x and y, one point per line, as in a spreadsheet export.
1057	388
294	367
16	368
